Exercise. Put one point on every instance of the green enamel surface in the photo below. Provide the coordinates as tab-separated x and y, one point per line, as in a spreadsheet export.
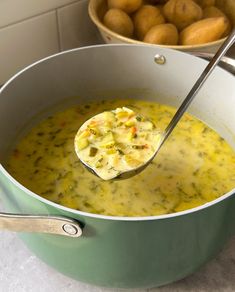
127	254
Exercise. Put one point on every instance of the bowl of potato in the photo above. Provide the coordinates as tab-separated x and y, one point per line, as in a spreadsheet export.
186	25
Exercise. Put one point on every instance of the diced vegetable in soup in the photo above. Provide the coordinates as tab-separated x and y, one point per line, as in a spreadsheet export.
193	167
116	141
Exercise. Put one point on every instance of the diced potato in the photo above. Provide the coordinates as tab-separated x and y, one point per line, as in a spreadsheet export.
82	143
108	137
109	116
130	136
108	141
148	125
108	126
108	144
84	134
111	151
122	114
130	123
128	110
130	160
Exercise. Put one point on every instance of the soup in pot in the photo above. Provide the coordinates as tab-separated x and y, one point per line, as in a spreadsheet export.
193	167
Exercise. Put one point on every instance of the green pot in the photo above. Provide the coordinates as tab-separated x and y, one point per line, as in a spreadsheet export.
126	252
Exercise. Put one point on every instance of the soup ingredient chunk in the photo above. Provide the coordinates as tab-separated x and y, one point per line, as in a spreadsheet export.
116	141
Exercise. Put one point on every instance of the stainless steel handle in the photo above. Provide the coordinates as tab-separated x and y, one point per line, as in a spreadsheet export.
40	224
230	40
226	62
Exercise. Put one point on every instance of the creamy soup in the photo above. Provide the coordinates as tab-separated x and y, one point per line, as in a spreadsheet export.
116	141
193	167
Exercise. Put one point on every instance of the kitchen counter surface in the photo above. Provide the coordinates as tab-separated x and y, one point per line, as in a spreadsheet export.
21	271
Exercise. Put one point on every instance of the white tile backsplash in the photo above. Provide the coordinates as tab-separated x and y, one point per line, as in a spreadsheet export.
12	11
32	29
75	26
27	42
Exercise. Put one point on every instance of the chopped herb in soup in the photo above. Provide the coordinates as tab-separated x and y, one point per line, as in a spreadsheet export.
193	167
116	141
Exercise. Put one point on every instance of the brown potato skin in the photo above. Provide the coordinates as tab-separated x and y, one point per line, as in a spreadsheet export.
206	3
145	18
182	13
155	2
228	7
162	34
119	22
128	6
212	11
204	31
160	7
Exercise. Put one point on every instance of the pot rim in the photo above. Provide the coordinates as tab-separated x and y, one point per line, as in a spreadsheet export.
93	215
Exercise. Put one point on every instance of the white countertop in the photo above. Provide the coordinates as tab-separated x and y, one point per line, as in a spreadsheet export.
22	271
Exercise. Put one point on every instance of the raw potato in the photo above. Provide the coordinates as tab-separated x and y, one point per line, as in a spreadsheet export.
162	34
160	7
228	7
213	11
206	3
182	13
155	2
204	31
145	18
119	22
128	6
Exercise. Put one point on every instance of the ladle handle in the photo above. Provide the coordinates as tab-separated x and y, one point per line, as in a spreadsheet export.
193	92
227	63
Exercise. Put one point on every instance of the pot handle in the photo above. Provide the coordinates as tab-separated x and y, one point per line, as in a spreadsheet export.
40	224
226	62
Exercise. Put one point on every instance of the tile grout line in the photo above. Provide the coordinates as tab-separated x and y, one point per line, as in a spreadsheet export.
36	15
58	30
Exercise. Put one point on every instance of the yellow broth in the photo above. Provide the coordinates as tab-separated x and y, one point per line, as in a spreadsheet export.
193	167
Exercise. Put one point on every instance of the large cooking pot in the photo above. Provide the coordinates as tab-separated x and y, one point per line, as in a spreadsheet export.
104	250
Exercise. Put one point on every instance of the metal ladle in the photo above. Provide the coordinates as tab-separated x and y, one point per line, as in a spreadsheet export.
183	107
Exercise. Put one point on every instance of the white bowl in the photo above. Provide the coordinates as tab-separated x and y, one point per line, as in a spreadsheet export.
97	9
